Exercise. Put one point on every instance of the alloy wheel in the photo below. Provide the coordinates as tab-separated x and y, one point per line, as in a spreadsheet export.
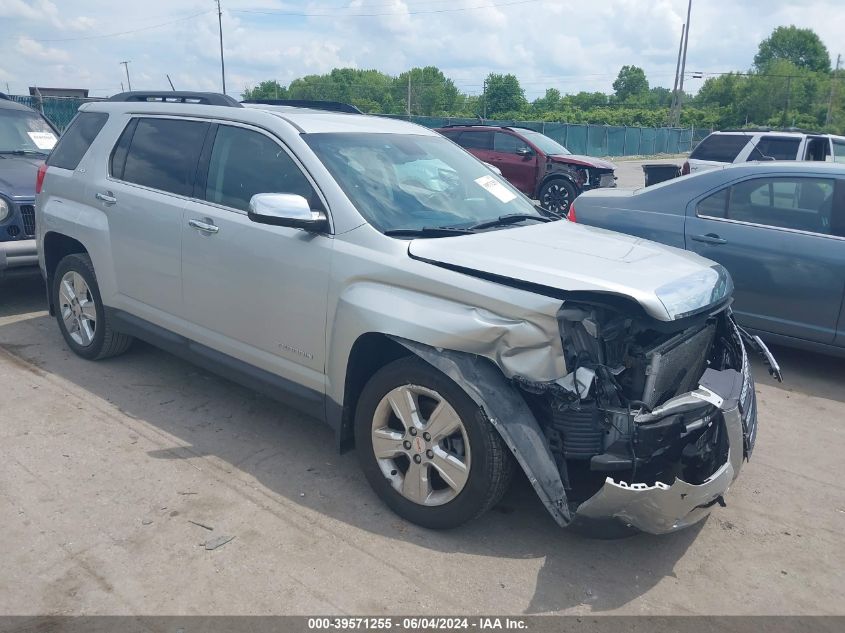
556	198
421	445
77	308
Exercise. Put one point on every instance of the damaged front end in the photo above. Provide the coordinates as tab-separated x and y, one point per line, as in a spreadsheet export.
650	425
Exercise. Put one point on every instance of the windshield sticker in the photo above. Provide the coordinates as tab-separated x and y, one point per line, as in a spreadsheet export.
43	140
496	188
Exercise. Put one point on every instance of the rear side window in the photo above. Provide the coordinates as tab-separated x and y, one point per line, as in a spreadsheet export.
723	148
775	147
244	163
163	154
476	140
77	139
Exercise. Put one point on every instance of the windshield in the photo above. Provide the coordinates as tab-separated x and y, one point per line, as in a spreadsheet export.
544	143
407	181
24	131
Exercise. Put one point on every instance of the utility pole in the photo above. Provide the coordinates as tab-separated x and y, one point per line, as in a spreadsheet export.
409	94
677	120
786	104
829	101
677	72
220	29
484	98
126	66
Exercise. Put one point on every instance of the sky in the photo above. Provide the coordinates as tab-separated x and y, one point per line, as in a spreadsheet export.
571	45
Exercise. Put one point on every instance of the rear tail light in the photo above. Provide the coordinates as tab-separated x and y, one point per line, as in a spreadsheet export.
685	168
39	179
571	215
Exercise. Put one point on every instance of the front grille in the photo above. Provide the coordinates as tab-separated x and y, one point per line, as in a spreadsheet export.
28	216
13	230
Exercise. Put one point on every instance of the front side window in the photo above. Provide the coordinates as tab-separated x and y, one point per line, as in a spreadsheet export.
507	143
839	151
775	148
476	140
244	163
803	204
408	181
77	139
163	154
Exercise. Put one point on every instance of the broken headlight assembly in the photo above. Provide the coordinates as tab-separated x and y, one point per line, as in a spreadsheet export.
687	295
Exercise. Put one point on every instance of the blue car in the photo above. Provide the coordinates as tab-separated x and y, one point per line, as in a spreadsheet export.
778	227
26	138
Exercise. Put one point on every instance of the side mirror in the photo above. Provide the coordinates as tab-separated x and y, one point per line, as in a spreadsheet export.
524	151
286	209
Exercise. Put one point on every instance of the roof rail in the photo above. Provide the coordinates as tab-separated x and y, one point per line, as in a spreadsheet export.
314	104
165	96
796	130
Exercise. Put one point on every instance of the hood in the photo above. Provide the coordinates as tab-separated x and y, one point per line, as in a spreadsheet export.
17	175
586	161
667	282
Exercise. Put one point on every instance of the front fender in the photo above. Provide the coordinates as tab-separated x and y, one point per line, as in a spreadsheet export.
510	416
525	343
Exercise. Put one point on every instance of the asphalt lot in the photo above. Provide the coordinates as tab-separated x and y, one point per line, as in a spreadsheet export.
105	466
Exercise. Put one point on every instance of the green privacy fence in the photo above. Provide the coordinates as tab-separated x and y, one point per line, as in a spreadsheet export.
592	140
59	110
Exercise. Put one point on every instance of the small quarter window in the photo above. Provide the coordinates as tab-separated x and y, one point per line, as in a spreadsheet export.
76	140
714	205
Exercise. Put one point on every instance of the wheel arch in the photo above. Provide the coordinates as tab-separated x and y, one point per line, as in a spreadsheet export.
56	246
370	352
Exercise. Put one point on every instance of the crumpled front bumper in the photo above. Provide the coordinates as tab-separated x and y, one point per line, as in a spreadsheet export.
664	508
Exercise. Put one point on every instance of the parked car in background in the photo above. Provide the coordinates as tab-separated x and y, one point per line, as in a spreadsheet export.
740	146
779	229
375	275
26	138
537	165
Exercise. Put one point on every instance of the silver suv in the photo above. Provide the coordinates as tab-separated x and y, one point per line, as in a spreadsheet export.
382	279
740	146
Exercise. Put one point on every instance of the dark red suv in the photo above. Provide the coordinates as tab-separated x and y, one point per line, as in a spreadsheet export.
538	166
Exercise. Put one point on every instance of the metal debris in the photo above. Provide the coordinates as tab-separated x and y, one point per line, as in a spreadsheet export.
217	542
202	525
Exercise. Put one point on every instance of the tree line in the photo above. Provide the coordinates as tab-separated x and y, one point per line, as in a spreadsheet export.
790	83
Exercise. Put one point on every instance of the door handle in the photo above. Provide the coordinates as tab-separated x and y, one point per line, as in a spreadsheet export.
203	226
710	238
105	196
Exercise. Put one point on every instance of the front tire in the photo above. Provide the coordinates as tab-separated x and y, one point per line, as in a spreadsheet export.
80	313
557	196
426	448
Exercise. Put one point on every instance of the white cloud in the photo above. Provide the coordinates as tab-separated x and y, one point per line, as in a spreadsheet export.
571	45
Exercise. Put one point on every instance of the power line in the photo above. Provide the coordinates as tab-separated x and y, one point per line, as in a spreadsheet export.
98	37
334	14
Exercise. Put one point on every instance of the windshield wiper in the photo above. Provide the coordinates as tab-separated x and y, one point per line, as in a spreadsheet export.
428	231
504	220
23	152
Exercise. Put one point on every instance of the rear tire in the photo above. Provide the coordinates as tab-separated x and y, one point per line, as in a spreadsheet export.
80	313
440	463
557	196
